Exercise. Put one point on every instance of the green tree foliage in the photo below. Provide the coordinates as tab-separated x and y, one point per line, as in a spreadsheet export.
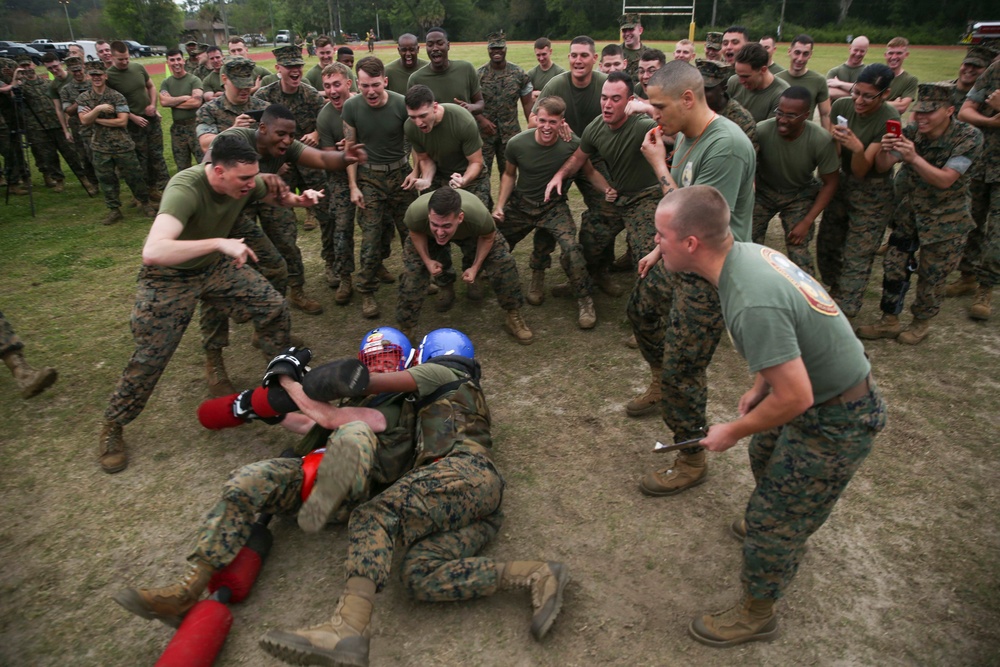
147	21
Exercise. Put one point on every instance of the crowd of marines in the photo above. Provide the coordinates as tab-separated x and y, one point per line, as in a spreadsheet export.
690	157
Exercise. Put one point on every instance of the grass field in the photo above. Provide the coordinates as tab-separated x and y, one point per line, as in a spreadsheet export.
904	573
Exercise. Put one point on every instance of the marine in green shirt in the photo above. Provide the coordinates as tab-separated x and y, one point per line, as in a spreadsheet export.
799	74
451	81
399	70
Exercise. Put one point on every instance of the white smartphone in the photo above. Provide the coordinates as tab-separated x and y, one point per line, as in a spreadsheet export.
841	121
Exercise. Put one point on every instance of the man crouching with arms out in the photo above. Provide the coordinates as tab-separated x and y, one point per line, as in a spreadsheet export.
813	411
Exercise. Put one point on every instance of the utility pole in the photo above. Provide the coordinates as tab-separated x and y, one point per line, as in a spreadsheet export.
65	4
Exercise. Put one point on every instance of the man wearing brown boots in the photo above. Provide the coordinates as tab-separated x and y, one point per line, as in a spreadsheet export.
442	513
30	382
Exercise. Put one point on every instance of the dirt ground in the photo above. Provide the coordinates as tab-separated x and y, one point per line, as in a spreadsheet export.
905	571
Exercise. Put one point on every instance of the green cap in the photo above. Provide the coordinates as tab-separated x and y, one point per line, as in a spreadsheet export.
239	70
714	72
289	56
932	96
74	63
496	40
628	21
713	40
96	66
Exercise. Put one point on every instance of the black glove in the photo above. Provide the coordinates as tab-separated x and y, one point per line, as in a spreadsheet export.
291	362
243	409
344	378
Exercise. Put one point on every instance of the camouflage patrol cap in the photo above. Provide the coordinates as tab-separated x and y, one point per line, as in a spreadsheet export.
932	96
628	21
289	56
74	63
496	40
96	66
980	56
24	60
190	44
714	72
239	70
198	49
713	40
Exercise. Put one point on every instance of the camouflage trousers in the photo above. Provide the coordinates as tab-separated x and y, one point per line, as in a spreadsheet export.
337	226
213	322
494	147
81	140
184	143
108	166
385	207
47	146
936	261
149	151
281	227
521	217
850	233
479	187
801	469
442	514
9	342
677	320
793	206
633	213
982	251
273	486
499	268
165	301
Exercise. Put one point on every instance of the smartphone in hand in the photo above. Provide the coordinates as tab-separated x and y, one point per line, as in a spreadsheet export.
894	127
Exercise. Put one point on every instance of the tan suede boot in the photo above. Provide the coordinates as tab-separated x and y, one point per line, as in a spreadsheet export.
297	298
545	581
536	290
384	276
888	326
114	215
311	222
516	327
343	640
915	333
344	290
587	318
112	456
216	376
29	381
739	529
331	276
688	470
170	603
603	282
981	309
966	284
648	402
445	298
749	621
369	306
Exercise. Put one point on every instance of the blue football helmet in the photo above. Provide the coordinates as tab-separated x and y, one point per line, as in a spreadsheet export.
441	342
384	350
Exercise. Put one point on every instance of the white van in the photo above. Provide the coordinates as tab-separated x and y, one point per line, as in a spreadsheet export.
89	47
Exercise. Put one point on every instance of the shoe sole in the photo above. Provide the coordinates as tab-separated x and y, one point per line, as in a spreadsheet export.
131	601
333	480
310	311
643	412
657	493
717	643
294	650
562	577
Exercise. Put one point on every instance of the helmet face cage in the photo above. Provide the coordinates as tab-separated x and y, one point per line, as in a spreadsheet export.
441	342
385	350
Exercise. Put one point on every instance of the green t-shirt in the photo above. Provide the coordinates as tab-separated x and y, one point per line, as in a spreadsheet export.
904	85
845	72
540	78
724	158
399	76
330	126
458	81
582	104
477	221
760	103
775	69
268	80
450	142
56	85
787	166
205	213
812	81
537	164
620	148
381	129
269	164
776	312
180	87
131	83
213	83
869	129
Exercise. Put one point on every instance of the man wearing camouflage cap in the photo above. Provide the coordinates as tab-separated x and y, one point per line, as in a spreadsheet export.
716	75
82	134
932	213
713	46
198	61
503	84
631	29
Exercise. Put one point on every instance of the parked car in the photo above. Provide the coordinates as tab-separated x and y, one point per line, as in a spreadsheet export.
14	49
137	50
61	49
283	37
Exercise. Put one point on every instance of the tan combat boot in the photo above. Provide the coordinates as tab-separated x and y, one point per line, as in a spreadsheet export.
149	210
112	455
604	283
89	187
155	196
545	581
688	470
311	222
297	297
344	290
59	186
331	277
114	215
536	289
170	603
888	326
515	326
648	402
369	306
445	298
474	291
749	621
384	276
29	381
587	318
980	309
915	333
343	640
739	529
632	343
216	376
966	284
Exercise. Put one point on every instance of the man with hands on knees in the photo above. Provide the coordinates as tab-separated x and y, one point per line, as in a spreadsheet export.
813	411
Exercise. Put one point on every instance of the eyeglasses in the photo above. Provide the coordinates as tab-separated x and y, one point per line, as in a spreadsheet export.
789	116
864	96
